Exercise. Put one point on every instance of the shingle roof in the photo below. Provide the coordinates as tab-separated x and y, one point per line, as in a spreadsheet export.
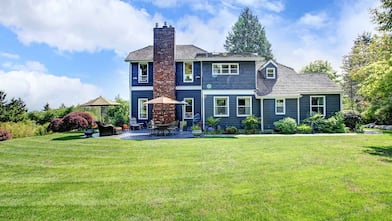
290	83
183	52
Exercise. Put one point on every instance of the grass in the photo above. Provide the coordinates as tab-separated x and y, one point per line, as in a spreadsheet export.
61	177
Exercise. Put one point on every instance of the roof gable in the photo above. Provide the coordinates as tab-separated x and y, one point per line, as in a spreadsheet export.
183	52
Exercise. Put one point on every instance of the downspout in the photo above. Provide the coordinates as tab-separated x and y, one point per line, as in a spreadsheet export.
202	96
298	110
130	90
262	114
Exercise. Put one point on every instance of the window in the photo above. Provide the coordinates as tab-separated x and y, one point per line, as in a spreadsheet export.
317	105
221	106
280	106
270	73
143	73
143	108
244	106
188	71
188	114
225	69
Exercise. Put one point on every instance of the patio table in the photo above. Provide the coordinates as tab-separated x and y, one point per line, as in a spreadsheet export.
162	128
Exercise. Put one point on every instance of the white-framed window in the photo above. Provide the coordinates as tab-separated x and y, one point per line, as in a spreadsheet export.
143	73
142	108
188	113
244	106
188	72
280	106
225	69
270	73
221	106
317	105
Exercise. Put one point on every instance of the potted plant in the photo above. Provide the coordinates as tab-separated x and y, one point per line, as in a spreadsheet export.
196	130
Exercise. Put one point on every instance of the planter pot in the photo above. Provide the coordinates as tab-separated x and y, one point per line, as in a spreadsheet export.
196	132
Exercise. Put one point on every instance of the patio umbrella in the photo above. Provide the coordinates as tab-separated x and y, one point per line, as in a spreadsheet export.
164	100
100	102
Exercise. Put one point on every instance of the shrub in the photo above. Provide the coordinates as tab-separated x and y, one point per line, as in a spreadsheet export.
213	122
304	129
74	122
19	129
352	119
251	124
334	124
231	130
41	130
56	125
5	135
286	126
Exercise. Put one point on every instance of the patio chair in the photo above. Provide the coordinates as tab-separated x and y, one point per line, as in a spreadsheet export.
151	127
173	127
134	124
108	129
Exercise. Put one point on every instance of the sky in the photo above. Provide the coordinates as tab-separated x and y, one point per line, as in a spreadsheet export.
71	51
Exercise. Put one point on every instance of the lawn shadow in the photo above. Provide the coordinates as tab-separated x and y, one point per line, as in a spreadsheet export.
385	151
68	137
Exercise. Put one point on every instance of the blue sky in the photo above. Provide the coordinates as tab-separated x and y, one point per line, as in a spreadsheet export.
71	51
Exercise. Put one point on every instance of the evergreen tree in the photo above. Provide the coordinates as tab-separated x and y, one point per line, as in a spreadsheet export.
382	16
248	35
320	66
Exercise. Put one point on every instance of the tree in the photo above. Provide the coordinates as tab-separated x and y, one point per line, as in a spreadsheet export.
382	16
248	35
118	115
358	57
320	66
15	110
377	90
46	107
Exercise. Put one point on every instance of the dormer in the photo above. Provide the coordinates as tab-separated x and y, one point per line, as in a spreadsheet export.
269	70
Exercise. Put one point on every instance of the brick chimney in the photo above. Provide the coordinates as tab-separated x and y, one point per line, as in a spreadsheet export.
164	72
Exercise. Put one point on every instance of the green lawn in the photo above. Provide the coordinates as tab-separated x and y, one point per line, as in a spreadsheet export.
60	177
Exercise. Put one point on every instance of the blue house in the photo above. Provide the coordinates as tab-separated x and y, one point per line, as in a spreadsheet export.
229	86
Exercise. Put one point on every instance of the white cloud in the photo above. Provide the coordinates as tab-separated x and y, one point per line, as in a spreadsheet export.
296	44
314	20
28	66
88	25
9	55
38	88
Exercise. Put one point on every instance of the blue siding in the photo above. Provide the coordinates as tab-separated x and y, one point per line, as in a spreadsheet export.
232	120
135	74
269	112
180	74
264	70
196	95
245	79
332	102
134	108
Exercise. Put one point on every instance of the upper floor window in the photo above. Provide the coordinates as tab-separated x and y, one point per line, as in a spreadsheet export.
244	106
188	71
221	106
280	106
270	73
225	69
142	109
317	105
143	73
188	114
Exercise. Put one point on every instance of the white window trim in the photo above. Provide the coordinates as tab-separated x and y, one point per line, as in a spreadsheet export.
139	79
228	108
276	106
220	64
139	100
266	73
250	106
184	75
324	106
193	108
